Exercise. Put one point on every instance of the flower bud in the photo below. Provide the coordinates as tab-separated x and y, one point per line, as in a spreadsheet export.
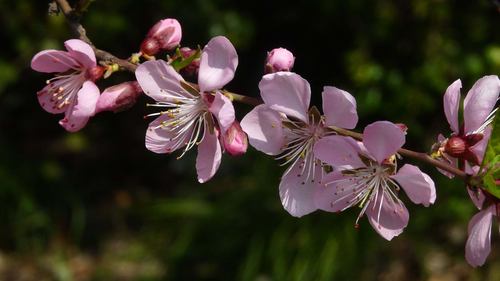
119	97
279	59
193	67
150	46
234	140
455	146
167	32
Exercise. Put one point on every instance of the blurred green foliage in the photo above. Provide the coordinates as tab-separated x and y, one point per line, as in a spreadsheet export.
491	161
96	205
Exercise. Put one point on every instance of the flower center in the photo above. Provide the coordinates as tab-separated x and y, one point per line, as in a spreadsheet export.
365	185
187	120
63	89
300	138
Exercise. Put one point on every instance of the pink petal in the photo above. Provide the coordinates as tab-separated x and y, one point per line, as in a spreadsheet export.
383	139
296	193
78	115
480	148
223	110
81	52
451	102
418	186
480	101
339	107
338	151
209	157
386	218
49	61
160	139
335	194
478	245
217	65
264	130
160	81
286	92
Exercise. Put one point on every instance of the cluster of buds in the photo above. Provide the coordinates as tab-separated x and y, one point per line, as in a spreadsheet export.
325	170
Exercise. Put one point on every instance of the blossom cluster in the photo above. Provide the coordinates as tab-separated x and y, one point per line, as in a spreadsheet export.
325	168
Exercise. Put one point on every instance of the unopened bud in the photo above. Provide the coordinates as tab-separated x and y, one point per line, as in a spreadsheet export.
119	97
167	32
95	73
186	52
279	59
150	46
235	141
455	146
193	67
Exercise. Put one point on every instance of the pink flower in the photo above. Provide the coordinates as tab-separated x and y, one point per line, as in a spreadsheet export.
72	91
119	97
468	140
234	140
279	59
478	244
190	114
165	34
366	175
284	126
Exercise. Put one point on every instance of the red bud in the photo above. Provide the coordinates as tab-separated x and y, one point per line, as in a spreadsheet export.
455	146
150	46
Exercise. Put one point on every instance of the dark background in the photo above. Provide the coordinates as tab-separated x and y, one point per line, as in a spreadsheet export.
96	205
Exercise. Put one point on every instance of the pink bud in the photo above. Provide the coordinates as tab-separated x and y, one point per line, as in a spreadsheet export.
279	59
150	46
119	97
193	67
167	32
235	141
186	52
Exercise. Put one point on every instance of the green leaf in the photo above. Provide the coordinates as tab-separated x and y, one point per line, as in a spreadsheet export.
491	161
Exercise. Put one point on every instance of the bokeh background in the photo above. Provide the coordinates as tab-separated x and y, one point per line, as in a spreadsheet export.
96	205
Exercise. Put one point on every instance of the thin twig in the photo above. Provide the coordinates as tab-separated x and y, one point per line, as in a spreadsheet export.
72	17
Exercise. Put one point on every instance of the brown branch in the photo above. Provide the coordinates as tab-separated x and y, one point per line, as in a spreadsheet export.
73	19
438	164
74	23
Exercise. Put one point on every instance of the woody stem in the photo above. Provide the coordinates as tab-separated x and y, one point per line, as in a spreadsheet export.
73	18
